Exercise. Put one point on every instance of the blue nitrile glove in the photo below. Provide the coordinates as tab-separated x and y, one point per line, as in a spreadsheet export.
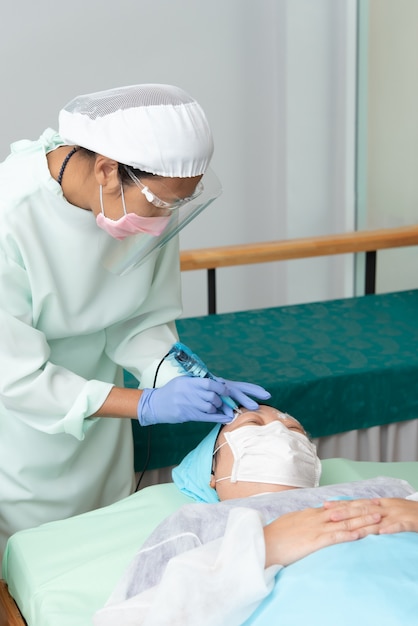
184	399
238	391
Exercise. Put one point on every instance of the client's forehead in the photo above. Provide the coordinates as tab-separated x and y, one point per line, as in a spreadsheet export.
263	415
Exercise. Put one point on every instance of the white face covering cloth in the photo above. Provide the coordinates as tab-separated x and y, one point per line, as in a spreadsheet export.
273	454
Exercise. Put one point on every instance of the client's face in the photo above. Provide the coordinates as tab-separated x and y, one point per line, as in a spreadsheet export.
224	459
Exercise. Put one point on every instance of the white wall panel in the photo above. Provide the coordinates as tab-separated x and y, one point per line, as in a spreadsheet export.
276	80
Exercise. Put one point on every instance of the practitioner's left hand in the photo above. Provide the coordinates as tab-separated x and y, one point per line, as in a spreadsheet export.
240	392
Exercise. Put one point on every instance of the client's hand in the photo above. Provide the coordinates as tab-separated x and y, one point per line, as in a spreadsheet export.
295	535
398	515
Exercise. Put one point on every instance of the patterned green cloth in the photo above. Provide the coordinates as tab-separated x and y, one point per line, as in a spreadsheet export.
337	365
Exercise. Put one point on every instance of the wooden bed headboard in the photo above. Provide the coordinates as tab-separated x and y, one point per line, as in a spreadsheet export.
368	241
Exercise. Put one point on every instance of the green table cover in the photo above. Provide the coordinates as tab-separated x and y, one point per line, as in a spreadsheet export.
337	365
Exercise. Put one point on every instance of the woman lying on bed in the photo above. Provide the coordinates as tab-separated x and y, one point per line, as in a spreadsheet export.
396	515
256	557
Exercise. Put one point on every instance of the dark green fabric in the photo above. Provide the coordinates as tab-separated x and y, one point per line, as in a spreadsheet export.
336	366
165	444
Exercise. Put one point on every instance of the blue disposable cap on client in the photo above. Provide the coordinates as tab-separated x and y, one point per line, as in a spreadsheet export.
193	474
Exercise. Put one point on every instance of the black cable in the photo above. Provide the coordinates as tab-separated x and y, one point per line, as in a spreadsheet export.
147	460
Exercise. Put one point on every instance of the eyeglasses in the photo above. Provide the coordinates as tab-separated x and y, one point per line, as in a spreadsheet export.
156	201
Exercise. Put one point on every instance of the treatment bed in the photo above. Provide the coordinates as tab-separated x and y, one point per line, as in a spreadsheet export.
60	573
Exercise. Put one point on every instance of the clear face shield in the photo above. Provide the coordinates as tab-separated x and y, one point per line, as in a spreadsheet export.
120	257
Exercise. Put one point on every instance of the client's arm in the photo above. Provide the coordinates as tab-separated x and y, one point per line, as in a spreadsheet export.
224	580
295	535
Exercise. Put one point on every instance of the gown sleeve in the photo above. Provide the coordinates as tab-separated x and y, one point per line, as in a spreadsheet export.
46	396
139	344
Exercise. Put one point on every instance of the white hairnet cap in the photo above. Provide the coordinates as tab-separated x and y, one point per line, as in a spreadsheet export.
155	128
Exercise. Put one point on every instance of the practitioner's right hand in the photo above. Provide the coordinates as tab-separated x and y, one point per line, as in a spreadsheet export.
184	399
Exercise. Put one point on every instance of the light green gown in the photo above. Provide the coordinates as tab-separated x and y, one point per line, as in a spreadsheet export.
67	328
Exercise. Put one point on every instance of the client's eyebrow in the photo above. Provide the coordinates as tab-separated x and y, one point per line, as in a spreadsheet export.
298	427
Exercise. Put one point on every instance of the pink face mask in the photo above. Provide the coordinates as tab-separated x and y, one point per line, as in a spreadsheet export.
130	223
